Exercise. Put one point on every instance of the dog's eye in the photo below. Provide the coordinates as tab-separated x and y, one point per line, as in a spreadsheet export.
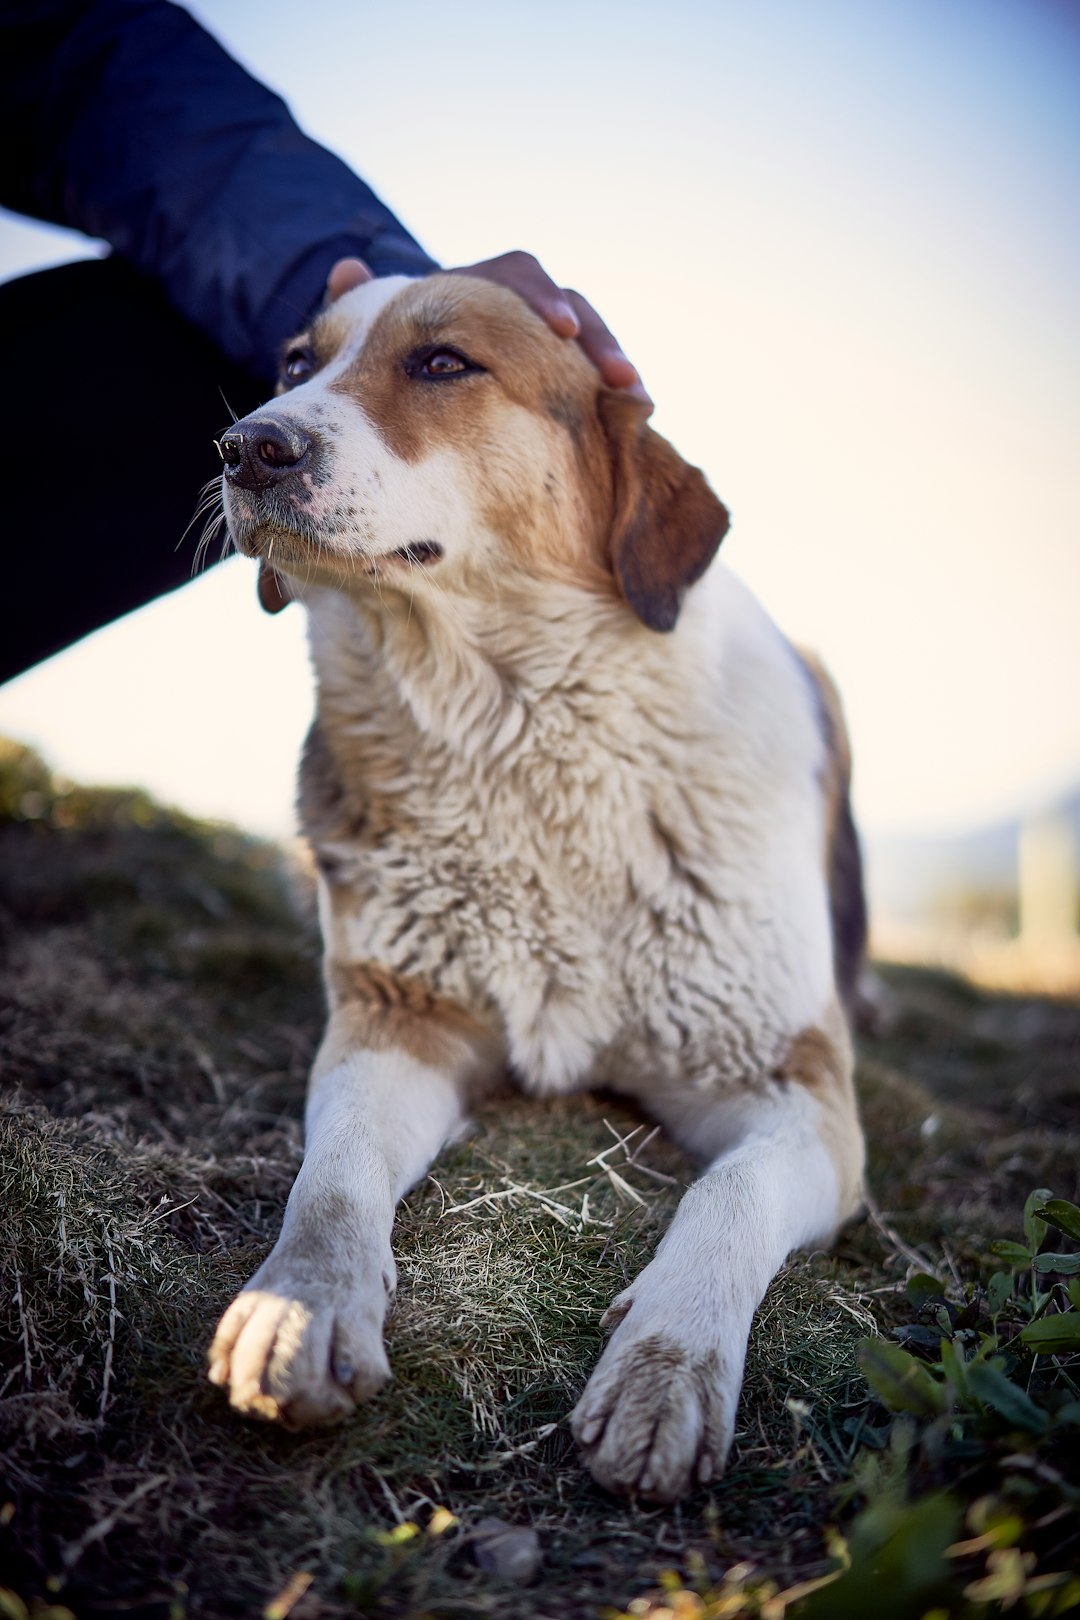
298	366
433	365
443	363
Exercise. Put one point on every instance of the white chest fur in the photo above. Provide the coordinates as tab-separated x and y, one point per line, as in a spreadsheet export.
619	858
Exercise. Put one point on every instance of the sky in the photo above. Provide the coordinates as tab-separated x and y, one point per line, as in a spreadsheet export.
840	241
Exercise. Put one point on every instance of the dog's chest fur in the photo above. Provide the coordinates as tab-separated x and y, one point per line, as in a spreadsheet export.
621	871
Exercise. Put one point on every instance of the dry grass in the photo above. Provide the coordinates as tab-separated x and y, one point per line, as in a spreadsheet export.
161	1005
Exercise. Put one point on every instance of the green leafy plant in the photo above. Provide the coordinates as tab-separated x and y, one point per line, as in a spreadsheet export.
967	1496
1003	1357
983	1389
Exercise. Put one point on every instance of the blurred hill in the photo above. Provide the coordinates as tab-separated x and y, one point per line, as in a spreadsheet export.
910	874
1000	903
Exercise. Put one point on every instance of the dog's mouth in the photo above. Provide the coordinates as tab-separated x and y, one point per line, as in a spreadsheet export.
421	553
268	538
282	538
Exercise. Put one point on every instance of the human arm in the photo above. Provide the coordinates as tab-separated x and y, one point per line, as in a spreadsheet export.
126	120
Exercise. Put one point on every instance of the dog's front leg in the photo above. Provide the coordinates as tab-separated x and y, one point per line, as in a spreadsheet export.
658	1415
304	1340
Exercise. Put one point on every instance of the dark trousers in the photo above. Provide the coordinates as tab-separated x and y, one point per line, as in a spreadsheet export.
110	404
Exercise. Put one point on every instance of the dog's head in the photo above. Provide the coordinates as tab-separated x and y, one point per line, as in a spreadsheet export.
436	432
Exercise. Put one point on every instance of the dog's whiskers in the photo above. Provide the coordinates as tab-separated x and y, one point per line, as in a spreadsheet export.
209	507
209	497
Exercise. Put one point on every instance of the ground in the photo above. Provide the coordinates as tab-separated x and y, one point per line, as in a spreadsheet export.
159	1006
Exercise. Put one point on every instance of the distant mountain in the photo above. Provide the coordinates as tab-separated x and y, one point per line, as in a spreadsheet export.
908	874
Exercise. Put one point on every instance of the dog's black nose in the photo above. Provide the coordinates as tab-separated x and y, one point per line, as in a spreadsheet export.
262	451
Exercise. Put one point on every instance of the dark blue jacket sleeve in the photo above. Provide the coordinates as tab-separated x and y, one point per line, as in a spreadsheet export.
126	120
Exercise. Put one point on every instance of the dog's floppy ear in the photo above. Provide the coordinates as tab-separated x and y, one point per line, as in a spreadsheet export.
274	594
667	524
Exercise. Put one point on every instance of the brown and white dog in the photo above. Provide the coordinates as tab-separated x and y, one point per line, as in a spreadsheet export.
554	844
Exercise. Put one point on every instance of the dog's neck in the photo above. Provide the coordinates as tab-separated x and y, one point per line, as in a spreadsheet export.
474	674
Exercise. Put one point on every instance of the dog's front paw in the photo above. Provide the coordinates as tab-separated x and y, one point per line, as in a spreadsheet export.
300	1351
658	1414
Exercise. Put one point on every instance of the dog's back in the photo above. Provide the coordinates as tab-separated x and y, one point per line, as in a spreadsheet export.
847	898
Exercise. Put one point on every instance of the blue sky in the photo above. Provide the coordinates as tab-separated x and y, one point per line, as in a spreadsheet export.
842	243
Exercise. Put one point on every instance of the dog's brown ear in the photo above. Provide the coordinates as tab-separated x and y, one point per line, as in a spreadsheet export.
274	594
667	524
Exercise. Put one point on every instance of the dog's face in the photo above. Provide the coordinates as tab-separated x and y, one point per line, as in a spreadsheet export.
435	435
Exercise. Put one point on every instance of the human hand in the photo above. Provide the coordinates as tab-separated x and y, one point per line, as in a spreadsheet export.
567	313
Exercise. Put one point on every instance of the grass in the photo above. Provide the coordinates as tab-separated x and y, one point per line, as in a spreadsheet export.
160	1001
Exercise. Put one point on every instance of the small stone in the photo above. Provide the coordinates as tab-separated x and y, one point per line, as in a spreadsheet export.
506	1550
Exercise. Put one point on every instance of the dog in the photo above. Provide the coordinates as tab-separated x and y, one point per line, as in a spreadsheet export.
580	816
